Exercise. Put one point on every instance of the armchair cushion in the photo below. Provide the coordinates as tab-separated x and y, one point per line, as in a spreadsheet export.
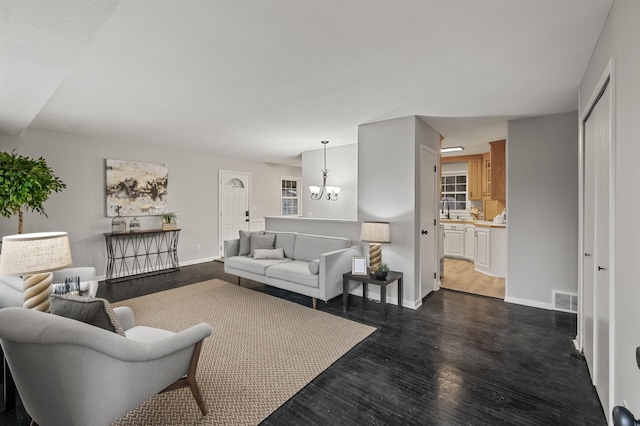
97	312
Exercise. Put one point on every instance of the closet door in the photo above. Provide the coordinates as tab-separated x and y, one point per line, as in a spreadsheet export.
597	209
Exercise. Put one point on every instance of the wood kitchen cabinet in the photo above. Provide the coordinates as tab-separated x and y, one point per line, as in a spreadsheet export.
486	176
475	178
498	170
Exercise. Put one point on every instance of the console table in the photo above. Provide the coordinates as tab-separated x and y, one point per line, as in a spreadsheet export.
139	253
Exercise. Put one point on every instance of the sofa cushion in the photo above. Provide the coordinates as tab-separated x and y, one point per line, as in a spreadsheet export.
286	241
309	247
245	242
268	254
314	266
262	242
249	264
296	271
96	312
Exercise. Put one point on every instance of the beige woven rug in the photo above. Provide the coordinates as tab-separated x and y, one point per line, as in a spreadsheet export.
262	351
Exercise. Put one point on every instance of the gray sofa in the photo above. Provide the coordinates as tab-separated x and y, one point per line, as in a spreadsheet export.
312	266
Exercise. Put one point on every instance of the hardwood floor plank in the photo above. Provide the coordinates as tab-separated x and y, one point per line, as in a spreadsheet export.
458	360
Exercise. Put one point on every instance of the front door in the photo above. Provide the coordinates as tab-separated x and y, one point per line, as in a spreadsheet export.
234	204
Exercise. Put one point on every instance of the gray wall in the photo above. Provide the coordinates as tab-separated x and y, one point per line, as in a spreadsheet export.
342	163
619	39
193	191
542	206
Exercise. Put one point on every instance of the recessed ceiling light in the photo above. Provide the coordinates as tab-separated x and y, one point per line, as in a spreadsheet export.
452	149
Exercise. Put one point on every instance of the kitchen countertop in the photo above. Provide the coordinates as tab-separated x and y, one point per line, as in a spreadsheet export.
483	223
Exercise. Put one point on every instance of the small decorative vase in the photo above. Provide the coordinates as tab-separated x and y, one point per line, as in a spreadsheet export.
134	225
118	225
381	275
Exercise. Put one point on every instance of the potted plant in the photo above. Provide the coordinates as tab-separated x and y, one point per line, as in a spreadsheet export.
169	220
25	184
382	271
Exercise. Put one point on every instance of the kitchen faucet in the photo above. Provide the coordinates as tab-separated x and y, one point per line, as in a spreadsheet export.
446	200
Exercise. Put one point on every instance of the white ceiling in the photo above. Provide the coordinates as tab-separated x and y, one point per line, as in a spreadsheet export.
269	79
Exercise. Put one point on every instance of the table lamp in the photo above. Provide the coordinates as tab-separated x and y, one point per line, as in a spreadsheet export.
375	233
35	256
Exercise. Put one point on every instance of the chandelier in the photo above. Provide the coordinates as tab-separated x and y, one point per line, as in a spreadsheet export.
317	192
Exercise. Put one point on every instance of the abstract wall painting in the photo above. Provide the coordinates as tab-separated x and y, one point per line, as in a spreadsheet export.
135	188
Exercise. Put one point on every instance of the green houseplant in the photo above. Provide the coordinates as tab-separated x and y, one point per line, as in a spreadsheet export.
25	184
169	220
382	271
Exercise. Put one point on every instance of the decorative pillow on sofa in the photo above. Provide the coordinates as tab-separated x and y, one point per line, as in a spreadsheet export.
245	242
314	266
262	242
70	286
94	311
268	254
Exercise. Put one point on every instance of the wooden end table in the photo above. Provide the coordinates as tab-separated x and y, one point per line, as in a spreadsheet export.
371	279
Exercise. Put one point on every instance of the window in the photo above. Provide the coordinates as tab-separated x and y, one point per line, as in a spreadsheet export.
290	196
454	189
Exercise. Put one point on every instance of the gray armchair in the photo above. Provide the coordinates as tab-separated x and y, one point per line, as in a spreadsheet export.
71	373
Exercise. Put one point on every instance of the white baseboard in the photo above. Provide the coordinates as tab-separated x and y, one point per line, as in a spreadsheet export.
527	302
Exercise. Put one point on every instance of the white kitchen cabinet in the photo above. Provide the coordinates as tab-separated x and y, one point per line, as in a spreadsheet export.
483	250
454	240
469	242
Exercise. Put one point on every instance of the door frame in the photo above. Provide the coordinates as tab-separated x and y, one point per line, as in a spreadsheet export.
435	228
607	78
220	188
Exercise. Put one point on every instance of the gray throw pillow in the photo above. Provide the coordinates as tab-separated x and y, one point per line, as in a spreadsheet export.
245	242
267	241
314	266
268	254
93	311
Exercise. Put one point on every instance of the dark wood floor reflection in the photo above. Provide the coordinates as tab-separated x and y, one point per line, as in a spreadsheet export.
458	360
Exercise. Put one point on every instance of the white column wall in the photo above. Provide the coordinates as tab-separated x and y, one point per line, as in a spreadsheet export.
388	188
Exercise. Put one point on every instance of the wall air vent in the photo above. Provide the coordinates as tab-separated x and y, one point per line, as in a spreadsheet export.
566	302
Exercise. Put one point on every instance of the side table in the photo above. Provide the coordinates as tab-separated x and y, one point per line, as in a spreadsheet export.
371	279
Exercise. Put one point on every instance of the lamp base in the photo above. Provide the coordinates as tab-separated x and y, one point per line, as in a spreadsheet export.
375	256
37	289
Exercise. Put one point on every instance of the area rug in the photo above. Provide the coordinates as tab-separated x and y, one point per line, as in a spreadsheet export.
261	352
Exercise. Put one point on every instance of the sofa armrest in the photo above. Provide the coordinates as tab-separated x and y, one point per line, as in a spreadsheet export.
125	316
332	266
231	247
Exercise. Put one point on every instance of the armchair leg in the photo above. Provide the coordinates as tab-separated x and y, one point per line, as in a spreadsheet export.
190	380
314	302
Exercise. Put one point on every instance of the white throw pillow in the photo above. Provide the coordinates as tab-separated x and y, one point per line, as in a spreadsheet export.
268	254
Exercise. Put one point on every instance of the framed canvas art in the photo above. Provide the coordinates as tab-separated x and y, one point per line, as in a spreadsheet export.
135	188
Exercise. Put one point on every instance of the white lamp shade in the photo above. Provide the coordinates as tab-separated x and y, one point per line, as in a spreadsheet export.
314	189
27	254
375	232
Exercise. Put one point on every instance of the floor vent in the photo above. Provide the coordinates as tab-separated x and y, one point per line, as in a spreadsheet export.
566	302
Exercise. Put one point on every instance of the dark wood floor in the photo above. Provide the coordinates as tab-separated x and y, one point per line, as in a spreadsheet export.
458	360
